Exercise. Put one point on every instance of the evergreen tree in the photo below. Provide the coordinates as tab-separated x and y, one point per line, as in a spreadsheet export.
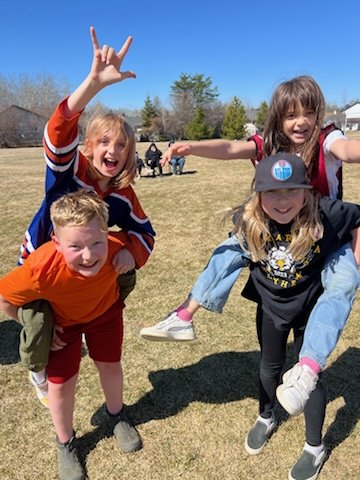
261	116
233	126
197	129
148	113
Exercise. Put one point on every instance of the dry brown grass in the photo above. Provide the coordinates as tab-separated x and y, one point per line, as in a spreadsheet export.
193	403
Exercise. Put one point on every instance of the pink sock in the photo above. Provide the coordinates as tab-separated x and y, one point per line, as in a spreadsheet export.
311	364
184	314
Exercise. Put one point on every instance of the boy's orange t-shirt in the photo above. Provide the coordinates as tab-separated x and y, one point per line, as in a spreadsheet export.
75	299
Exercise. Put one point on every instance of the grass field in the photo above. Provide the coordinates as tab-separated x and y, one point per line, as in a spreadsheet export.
192	403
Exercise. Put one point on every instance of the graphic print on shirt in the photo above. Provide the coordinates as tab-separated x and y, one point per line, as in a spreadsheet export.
280	266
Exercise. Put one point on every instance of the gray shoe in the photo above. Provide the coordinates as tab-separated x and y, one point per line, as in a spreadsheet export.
170	329
127	437
68	461
258	436
308	466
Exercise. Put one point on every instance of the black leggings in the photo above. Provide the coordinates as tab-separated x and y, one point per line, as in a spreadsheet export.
273	355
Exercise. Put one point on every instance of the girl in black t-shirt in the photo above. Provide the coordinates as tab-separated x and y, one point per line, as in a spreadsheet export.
287	230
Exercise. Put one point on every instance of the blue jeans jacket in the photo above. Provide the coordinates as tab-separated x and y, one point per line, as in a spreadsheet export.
340	280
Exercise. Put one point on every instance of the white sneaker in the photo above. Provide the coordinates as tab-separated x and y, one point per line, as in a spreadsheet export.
299	382
41	390
170	329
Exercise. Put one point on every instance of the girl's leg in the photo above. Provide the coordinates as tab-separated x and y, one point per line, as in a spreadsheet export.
211	291
61	405
212	288
273	354
314	452
340	279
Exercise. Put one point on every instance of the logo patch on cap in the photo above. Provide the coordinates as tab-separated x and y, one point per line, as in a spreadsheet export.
281	170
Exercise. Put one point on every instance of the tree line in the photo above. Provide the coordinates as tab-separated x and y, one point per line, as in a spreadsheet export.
195	111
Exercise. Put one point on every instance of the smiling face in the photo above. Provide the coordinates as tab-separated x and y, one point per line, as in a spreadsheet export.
85	248
109	154
298	125
282	205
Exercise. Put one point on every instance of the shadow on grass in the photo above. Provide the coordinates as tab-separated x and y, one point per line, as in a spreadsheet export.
228	377
169	174
9	342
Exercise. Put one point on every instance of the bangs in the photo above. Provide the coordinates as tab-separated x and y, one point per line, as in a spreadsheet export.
302	91
110	123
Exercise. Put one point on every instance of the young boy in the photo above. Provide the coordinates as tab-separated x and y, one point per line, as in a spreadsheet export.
74	273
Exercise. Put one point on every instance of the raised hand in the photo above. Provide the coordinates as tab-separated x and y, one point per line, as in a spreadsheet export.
106	64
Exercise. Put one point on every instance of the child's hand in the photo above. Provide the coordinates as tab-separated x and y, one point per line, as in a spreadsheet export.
175	149
106	64
123	261
57	343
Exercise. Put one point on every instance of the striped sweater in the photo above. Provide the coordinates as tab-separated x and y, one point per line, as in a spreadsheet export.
66	171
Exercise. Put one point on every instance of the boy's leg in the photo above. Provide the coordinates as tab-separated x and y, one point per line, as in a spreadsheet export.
340	279
61	405
104	338
211	291
111	378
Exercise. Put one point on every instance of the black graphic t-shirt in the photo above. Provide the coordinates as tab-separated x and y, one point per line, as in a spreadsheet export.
287	289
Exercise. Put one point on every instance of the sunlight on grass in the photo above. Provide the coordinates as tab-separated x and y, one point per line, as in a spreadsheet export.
193	403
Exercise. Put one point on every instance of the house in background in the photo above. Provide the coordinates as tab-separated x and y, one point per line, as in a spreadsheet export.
20	127
352	117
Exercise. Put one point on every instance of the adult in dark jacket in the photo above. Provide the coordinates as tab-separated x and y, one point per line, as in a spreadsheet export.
152	158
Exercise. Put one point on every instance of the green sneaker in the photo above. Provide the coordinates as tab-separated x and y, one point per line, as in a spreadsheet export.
68	461
308	466
258	436
127	437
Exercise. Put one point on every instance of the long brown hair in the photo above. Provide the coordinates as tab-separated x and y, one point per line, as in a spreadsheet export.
304	91
96	127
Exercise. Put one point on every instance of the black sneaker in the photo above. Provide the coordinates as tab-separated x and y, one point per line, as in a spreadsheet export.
308	466
127	437
258	436
69	465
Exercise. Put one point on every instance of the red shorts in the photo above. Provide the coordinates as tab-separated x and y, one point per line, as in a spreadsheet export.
104	337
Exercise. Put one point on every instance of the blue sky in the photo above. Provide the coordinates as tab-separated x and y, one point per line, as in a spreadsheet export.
246	50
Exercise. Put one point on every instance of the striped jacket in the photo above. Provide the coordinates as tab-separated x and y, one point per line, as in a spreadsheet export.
66	171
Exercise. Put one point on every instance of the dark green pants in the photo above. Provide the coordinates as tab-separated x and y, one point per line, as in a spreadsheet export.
37	320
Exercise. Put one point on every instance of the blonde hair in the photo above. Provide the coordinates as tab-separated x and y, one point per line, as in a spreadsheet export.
97	126
253	226
78	209
304	91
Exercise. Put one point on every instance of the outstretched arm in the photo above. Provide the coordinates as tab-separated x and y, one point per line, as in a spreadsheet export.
346	150
220	149
105	70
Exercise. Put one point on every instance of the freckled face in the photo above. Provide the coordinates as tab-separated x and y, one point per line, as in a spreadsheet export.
282	205
85	248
